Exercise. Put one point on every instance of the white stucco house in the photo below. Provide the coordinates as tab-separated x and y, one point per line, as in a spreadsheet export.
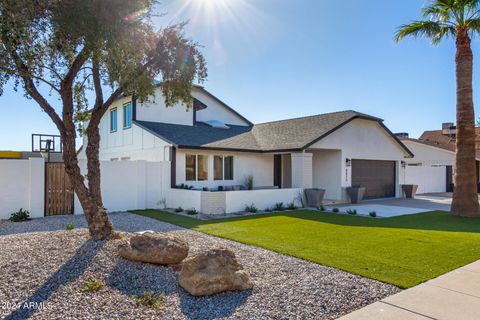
433	166
213	148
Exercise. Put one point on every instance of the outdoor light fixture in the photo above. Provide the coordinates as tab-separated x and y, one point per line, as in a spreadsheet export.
404	164
348	162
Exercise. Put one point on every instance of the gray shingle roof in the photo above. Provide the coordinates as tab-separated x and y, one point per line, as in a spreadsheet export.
292	134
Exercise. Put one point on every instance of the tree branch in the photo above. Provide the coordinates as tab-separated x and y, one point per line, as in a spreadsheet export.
30	87
78	63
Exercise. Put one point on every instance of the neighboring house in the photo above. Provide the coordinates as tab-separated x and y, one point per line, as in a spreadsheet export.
211	145
432	167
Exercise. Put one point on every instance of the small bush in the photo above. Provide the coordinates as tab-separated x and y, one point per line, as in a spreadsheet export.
335	210
268	210
20	215
321	208
279	206
248	182
92	285
179	209
184	186
70	226
352	212
149	299
372	214
192	212
292	206
251	208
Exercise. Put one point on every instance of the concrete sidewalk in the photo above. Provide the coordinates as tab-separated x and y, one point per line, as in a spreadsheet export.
455	295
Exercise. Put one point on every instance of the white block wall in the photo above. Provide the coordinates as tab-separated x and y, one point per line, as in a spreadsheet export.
130	185
22	185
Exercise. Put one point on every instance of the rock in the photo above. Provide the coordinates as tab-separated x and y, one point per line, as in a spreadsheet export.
212	272
154	247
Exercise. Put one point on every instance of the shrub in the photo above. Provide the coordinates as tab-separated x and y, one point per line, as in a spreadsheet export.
179	209
299	198
292	206
149	299
321	208
268	210
335	210
279	206
70	226
372	214
251	208
92	285
184	186
249	182
192	211
20	215
352	212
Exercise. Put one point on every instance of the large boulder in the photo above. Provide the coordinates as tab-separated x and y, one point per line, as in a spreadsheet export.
212	272
154	247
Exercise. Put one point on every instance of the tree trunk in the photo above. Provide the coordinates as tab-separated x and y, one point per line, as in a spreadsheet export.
99	225
465	197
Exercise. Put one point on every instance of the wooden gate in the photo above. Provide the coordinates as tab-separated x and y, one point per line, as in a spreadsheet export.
58	190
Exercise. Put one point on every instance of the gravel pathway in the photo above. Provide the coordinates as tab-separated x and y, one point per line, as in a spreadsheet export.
48	268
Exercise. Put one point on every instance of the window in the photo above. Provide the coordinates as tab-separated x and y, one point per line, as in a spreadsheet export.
113	120
202	168
127	115
223	167
218	168
190	167
228	164
196	167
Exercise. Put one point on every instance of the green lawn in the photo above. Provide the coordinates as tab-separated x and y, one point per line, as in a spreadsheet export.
403	251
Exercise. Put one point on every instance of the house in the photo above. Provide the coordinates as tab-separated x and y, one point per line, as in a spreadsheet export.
211	146
432	167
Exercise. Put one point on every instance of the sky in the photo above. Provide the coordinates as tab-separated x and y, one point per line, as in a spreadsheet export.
279	59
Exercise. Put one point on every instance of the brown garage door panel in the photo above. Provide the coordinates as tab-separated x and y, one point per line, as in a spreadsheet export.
378	177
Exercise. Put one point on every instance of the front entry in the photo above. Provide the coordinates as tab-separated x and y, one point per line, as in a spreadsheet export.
58	190
378	177
277	170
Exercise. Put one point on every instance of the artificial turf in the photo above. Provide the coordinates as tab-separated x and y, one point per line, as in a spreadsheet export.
403	251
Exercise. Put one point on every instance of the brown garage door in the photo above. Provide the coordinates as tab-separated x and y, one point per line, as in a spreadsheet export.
378	177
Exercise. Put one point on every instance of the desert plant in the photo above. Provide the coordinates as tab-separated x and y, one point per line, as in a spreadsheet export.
352	212
248	182
292	206
92	285
179	209
299	199
279	206
163	203
336	210
251	208
70	226
192	211
151	300
372	214
20	215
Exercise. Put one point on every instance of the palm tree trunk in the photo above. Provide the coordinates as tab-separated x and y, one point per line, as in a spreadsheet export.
465	197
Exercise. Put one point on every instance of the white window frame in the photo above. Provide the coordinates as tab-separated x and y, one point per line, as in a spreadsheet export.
223	167
113	110
127	124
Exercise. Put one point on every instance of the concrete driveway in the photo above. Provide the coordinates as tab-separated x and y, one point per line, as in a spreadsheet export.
400	206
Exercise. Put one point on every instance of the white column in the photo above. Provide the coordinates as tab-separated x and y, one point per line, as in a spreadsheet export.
302	170
37	187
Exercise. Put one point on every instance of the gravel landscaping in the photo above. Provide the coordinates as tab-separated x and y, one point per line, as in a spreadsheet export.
49	268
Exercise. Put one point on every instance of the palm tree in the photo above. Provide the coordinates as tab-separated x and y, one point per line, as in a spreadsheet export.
460	20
